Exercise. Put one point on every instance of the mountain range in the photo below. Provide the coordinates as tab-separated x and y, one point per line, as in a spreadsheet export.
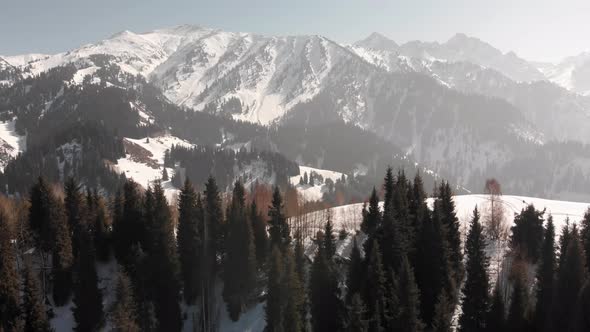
461	109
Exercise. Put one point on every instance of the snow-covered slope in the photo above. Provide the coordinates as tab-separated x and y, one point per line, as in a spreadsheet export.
144	161
348	215
11	143
314	192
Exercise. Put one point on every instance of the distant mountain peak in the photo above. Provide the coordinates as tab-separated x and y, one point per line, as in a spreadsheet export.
377	41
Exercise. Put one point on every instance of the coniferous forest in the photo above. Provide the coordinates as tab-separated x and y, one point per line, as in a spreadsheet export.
412	267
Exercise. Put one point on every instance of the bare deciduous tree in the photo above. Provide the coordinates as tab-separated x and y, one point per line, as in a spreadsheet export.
497	228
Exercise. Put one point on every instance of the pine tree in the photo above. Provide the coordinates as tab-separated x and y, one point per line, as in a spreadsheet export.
517	314
139	271
124	310
260	235
240	264
546	280
495	319
475	299
62	257
527	234
9	283
190	216
33	307
571	276
87	309
305	178
355	273
164	263
275	297
279	229
356	314
165	175
409	299
326	307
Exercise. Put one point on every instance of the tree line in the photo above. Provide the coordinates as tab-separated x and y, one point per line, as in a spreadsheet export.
409	268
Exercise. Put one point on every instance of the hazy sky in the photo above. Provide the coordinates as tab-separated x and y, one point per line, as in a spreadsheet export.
534	29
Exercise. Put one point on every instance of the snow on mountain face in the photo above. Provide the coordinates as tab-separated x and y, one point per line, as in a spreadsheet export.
253	78
573	73
459	48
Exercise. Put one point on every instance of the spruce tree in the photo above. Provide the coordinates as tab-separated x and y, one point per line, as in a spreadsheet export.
585	236
571	277
475	300
33	306
62	257
164	264
124	310
496	319
260	234
9	283
40	221
527	234
375	290
127	224
326	307
75	211
329	239
240	263
294	298
372	218
582	322
409	300
275	297
355	275
190	216
517	314
356	315
443	313
214	235
87	309
433	267
101	229
546	280
445	208
278	227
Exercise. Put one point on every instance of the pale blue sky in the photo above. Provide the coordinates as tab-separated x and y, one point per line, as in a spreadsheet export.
535	29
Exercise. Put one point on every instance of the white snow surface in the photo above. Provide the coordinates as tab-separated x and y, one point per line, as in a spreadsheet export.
315	192
464	205
145	174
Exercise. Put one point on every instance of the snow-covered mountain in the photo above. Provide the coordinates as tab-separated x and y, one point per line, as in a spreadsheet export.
461	108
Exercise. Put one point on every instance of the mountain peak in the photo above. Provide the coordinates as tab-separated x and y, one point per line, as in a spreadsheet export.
377	41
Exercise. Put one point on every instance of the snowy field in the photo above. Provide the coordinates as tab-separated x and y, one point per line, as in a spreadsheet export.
146	170
315	192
